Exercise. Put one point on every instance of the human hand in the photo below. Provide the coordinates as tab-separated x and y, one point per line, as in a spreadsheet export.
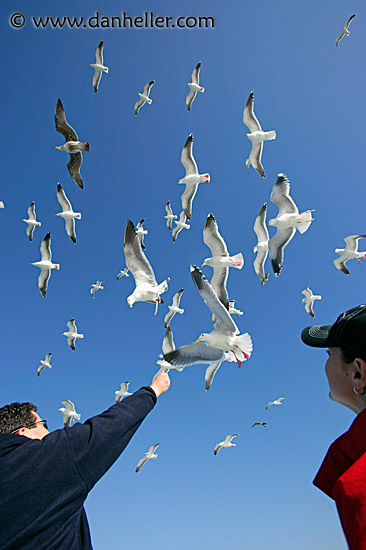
160	384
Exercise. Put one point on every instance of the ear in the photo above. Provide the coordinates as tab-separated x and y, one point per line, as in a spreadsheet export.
359	375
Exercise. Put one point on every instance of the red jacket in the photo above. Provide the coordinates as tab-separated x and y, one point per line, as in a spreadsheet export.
342	476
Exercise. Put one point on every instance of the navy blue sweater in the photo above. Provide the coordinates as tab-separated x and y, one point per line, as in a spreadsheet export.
44	482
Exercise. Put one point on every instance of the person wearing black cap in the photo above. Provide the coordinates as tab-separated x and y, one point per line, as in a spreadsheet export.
342	475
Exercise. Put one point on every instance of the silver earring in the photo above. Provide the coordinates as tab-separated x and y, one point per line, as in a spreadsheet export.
363	391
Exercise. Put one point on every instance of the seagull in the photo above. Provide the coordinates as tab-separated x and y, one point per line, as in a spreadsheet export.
345	29
141	232
123	273
192	177
174	308
98	66
45	264
226	443
226	335
261	248
44	364
233	310
2	205
220	255
180	224
256	136
69	412
72	334
287	221
31	221
96	286
67	213
72	146
275	402
122	392
167	347
147	289
263	424
350	252
169	216
148	455
144	97
309	300
194	86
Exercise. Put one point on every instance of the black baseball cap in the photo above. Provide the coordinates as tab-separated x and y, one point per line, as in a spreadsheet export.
348	331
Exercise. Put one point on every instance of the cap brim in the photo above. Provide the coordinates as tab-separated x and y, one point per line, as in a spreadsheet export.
317	336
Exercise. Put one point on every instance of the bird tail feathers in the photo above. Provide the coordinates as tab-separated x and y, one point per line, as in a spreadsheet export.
238	258
306	219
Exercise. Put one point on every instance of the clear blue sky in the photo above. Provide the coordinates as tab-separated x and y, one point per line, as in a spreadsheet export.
259	494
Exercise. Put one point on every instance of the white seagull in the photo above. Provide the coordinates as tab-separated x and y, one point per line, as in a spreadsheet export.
256	136
277	401
45	264
345	29
261	248
350	252
31	221
96	286
122	392
309	300
194	86
72	334
98	66
148	455
72	146
141	232
67	213
220	255
123	273
174	308
169	216
45	363
287	221
144	97
147	289
180	224
69	412
225	443
192	177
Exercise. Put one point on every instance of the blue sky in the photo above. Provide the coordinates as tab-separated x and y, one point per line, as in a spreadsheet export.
258	494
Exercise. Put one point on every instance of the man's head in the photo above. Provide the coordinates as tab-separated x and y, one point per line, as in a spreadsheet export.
346	365
22	419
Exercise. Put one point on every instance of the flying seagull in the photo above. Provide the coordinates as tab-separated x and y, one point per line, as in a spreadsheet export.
309	300
277	401
194	86
169	216
174	308
144	97
31	221
256	136
192	177
287	221
180	224
72	146
345	29
350	252
261	248
69	412
225	443
141	232
122	392
96	286
45	264
98	66
123	273
148	455
72	334
263	424
45	363
67	213
220	255
147	289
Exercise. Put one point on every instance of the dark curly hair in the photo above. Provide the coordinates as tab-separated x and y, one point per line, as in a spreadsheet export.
16	415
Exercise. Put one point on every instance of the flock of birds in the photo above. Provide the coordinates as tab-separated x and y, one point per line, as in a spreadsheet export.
224	342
